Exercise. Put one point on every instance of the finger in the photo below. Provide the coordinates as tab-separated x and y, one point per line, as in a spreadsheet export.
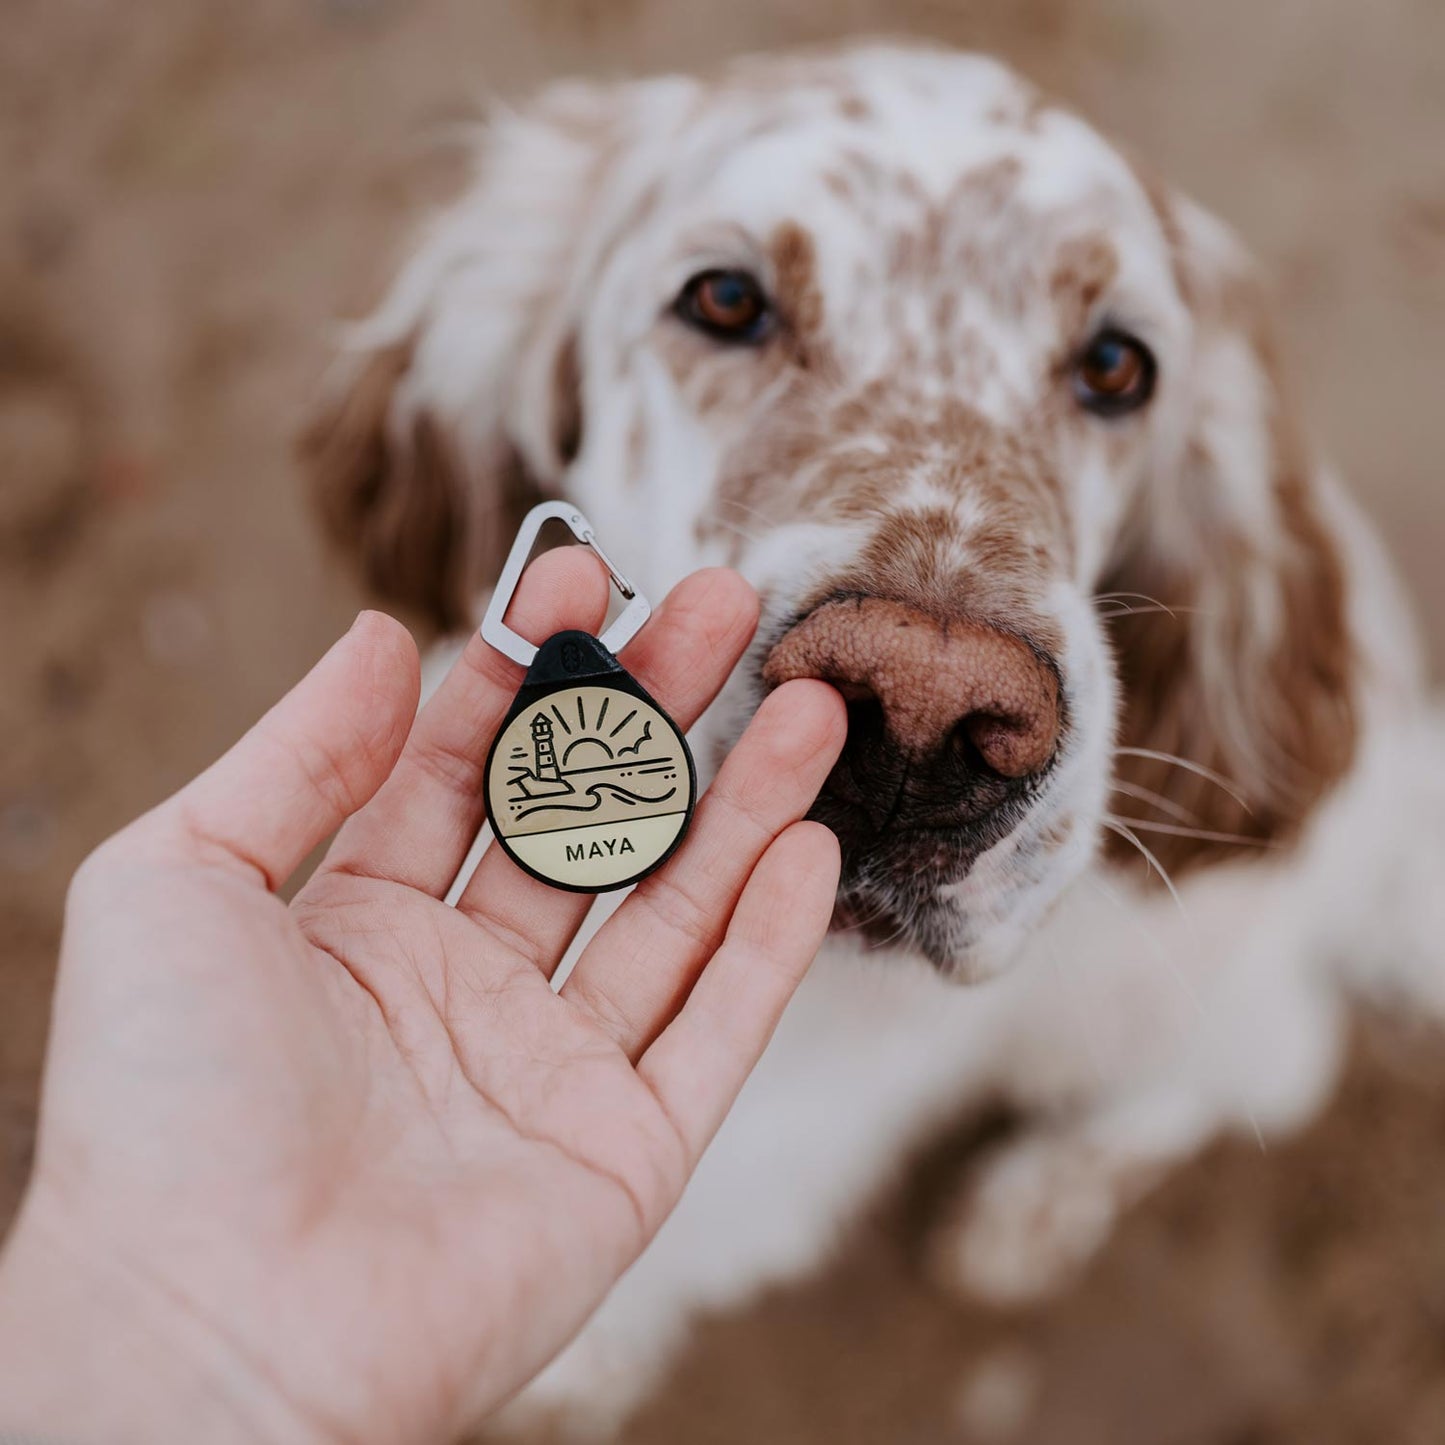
417	829
703	1058
311	762
635	974
682	658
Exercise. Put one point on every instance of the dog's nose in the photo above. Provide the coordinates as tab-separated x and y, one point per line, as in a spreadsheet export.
950	692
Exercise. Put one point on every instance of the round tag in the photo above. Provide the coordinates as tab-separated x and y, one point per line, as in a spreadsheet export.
589	785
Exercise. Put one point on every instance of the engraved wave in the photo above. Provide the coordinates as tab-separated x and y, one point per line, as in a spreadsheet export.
595	792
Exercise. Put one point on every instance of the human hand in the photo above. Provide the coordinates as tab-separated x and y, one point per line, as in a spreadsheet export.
350	1169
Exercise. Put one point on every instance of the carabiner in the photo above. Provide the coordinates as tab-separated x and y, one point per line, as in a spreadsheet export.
624	627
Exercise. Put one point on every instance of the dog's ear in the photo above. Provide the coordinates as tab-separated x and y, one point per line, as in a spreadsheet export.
392	490
1244	692
457	404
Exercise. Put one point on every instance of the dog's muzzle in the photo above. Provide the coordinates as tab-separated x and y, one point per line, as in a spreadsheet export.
951	725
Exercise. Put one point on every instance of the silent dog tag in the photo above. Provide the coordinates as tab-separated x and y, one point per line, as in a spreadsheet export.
589	784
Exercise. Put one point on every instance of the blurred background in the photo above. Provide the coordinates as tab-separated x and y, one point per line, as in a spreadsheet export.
193	191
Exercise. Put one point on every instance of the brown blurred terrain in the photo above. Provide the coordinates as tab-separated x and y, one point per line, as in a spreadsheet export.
193	191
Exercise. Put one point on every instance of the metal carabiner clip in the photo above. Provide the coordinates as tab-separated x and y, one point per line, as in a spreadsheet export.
625	626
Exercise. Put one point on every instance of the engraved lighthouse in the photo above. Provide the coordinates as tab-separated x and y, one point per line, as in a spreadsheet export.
544	755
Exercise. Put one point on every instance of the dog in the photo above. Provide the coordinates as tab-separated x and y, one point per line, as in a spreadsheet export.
997	426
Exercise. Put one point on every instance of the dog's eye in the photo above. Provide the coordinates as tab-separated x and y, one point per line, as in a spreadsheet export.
1114	374
729	305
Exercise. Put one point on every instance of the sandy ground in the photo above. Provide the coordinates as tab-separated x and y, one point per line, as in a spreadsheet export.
192	191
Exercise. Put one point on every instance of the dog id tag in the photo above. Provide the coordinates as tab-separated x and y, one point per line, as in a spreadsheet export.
589	784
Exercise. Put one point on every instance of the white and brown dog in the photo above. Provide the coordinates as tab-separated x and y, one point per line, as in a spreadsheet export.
995	426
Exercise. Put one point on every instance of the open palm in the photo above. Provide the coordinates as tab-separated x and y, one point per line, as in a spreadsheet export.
354	1158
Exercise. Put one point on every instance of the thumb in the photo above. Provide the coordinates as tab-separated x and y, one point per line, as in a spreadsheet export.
313	760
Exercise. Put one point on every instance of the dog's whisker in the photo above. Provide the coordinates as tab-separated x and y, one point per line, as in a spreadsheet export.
1129	836
866	920
740	531
719	518
1189	766
1144	612
1118	605
1203	834
858	897
1130	597
733	504
1148	795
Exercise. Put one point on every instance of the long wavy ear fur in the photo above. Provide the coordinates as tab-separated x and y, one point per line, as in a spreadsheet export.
425	532
457	403
1252	677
